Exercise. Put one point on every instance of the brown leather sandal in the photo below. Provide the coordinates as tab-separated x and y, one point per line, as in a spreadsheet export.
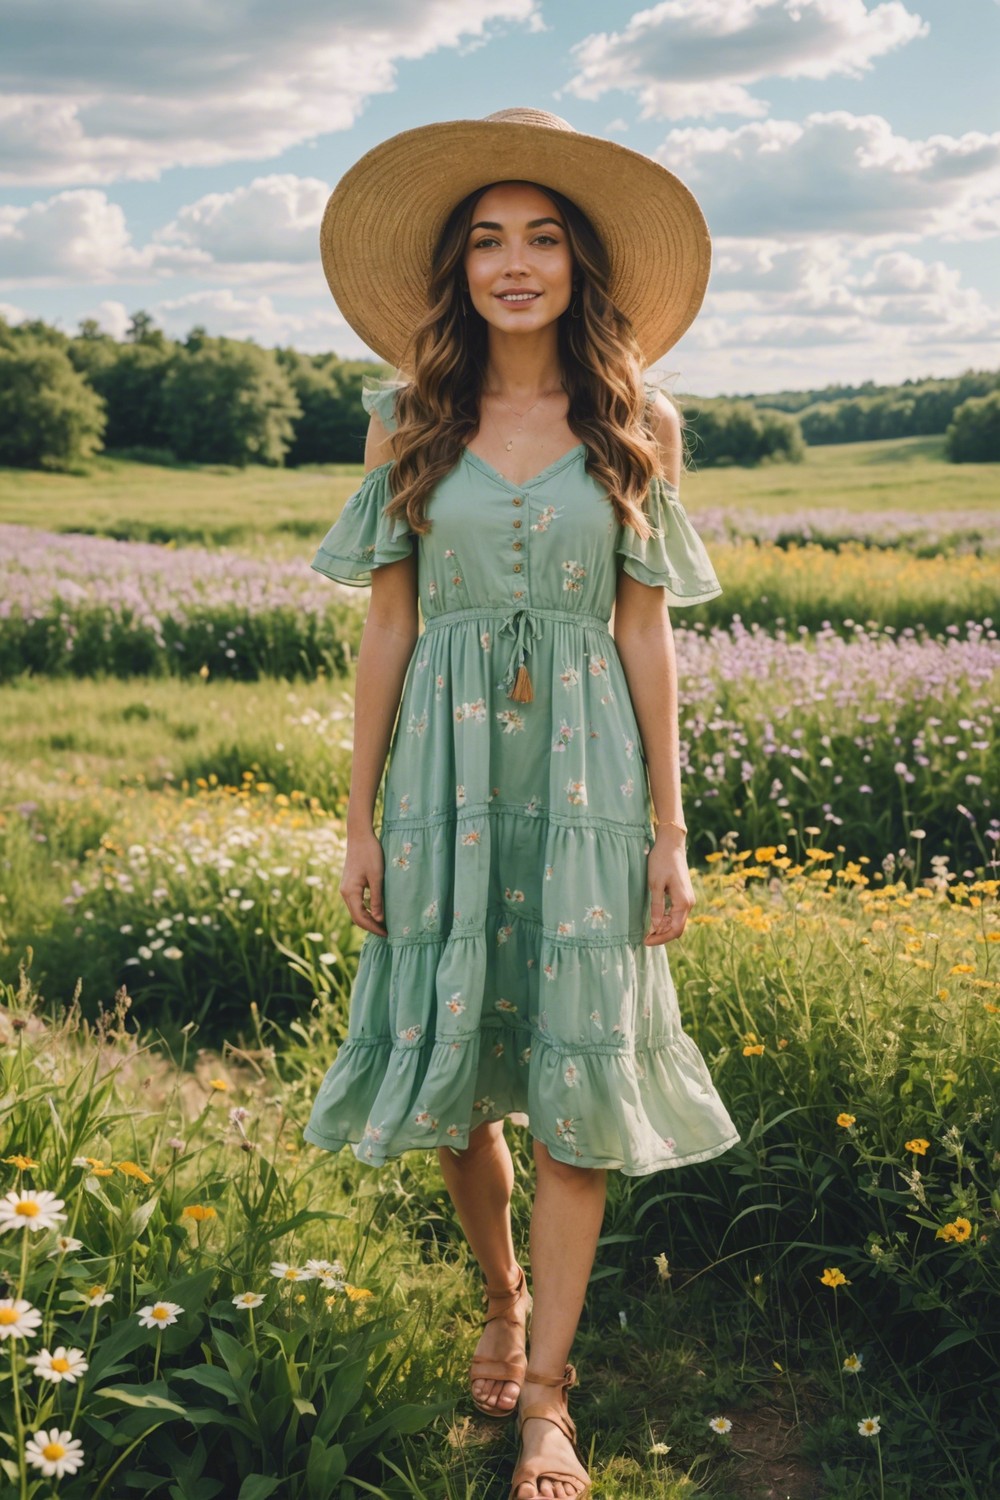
533	1471
484	1368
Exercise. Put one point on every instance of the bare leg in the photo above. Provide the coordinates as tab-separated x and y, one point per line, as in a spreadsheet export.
480	1180
565	1227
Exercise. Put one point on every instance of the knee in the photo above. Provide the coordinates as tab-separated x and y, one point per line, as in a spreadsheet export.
484	1140
580	1178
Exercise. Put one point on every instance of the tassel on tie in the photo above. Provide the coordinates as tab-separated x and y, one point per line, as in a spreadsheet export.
522	691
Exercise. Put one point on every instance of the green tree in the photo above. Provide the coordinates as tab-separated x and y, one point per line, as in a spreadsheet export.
230	403
974	434
51	417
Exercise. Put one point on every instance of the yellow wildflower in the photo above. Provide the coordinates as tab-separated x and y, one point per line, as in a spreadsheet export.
218	1083
962	969
754	1051
357	1293
199	1212
845	1120
130	1169
955	1232
918	1146
834	1276
22	1163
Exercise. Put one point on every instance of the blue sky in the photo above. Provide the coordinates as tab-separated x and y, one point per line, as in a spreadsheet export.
176	157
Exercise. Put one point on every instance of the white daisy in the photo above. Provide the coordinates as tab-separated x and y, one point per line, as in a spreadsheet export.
18	1319
28	1209
247	1300
159	1314
54	1452
64	1364
285	1272
65	1245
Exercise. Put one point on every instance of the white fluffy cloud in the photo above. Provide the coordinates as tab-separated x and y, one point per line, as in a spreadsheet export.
699	58
79	236
842	175
103	90
272	222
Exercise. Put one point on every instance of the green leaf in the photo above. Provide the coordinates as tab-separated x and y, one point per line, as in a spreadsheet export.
135	1395
214	1379
960	1336
258	1487
325	1467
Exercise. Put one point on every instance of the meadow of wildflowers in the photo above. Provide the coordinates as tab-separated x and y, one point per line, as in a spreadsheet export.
815	1316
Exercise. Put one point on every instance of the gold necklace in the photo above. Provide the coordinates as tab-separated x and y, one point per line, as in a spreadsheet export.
522	414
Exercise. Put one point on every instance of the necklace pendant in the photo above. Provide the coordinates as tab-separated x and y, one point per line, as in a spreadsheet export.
510	445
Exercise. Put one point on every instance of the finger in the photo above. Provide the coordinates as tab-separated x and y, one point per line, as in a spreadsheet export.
375	900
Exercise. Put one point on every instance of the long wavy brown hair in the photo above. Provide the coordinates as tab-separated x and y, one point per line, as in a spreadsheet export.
438	410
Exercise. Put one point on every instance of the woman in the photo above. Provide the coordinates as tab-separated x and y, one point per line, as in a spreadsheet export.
520	483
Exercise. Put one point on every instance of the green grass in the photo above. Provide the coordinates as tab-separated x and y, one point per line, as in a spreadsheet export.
273	510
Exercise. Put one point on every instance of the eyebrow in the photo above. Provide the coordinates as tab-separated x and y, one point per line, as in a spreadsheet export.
532	224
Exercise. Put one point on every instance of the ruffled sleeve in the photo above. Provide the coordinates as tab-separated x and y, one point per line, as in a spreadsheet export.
674	558
363	537
378	397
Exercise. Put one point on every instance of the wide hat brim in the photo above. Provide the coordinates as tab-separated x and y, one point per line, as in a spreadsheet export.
385	216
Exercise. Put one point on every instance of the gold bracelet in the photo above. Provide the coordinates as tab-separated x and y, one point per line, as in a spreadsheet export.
670	824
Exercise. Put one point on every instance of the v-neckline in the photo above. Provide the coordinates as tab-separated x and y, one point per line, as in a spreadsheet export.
487	468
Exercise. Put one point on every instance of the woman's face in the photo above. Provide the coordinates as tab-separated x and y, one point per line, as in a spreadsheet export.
517	259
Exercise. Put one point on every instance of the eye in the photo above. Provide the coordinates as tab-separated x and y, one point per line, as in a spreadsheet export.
490	240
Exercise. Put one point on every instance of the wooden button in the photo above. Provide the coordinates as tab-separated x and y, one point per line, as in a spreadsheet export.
517	546
517	567
517	523
517	500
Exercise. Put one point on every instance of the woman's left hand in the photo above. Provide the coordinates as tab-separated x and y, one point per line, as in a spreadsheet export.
669	880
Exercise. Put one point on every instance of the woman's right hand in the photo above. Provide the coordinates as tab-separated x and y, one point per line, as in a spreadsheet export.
364	867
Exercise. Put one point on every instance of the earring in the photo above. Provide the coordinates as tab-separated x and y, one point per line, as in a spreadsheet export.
576	306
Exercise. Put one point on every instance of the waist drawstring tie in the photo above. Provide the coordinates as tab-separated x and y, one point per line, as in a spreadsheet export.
525	626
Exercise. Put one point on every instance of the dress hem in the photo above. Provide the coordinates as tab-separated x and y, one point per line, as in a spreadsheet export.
332	1143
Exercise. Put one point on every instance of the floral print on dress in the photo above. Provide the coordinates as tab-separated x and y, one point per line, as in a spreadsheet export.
402	859
456	1004
484	640
512	721
564	735
597	916
507	1007
565	929
628	787
533	805
576	793
409	1033
424	1118
471	838
430	914
503	934
471	711
545	519
514	895
417	723
576	573
569	676
550	870
571	1075
404	804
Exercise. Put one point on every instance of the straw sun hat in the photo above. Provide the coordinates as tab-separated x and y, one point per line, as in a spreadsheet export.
384	217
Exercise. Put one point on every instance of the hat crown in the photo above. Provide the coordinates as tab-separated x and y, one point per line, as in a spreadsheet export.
525	115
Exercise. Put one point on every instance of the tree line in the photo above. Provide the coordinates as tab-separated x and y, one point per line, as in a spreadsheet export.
64	398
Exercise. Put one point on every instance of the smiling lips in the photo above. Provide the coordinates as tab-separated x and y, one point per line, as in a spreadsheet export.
516	297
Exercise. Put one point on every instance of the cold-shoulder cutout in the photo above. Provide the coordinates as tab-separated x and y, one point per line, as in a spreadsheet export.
363	537
674	557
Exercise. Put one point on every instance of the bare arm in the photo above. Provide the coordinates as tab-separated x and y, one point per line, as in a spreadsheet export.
390	634
645	641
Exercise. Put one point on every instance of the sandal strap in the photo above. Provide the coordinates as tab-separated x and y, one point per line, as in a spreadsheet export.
483	1368
566	1380
509	1296
559	1419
